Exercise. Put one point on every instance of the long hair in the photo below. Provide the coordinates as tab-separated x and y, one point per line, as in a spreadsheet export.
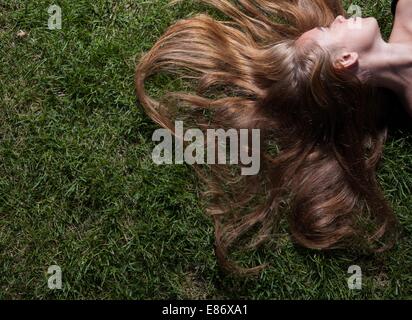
321	139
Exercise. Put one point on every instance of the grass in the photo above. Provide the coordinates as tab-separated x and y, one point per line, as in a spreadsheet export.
78	187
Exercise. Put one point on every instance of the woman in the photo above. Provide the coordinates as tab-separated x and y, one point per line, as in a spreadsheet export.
302	73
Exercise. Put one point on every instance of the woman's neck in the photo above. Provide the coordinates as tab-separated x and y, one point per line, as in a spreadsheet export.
388	65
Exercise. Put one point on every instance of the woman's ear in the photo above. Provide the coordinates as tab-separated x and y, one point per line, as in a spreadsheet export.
346	60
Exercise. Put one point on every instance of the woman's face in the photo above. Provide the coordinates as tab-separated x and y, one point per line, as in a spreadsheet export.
354	34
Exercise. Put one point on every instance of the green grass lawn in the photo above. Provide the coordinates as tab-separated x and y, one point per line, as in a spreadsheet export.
78	187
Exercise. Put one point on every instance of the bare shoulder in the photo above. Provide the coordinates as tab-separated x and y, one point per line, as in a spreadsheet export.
402	27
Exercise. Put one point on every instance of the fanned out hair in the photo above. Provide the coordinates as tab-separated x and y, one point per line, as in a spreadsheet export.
321	140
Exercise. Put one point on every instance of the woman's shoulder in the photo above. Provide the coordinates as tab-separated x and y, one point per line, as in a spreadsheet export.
402	27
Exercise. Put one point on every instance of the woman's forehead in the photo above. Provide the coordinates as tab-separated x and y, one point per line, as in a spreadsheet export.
310	35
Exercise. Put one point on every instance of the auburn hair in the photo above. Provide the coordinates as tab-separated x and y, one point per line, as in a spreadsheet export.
321	138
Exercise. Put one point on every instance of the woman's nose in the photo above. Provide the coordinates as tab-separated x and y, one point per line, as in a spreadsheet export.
340	19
